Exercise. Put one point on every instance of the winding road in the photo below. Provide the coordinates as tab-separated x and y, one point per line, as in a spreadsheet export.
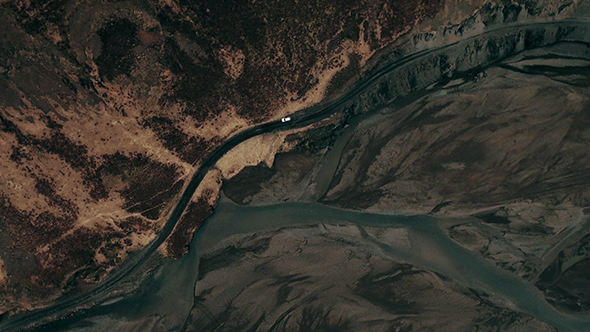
300	119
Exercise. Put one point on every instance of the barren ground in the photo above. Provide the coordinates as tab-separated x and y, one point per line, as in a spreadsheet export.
107	108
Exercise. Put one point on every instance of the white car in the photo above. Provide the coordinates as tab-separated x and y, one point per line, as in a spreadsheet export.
286	119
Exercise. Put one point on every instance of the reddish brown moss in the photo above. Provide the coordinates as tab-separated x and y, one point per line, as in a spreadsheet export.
134	225
188	148
151	184
197	83
118	38
74	154
29	231
71	253
34	15
18	154
281	43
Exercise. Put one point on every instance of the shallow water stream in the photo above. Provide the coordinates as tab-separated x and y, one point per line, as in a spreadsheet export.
169	294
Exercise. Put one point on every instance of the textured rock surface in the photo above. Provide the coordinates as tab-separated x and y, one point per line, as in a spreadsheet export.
506	143
513	135
326	279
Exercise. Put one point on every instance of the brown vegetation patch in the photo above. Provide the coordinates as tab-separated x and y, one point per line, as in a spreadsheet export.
189	148
39	16
57	143
199	208
285	46
149	183
77	156
118	39
31	231
65	252
134	224
71	253
191	220
194	83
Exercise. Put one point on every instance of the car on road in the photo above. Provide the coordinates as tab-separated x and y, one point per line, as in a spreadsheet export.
286	119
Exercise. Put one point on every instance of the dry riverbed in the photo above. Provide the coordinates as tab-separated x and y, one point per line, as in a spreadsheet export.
507	145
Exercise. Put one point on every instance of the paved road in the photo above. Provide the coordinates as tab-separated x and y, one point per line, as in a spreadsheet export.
300	119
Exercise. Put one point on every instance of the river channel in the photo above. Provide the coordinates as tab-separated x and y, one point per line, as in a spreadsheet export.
169	294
